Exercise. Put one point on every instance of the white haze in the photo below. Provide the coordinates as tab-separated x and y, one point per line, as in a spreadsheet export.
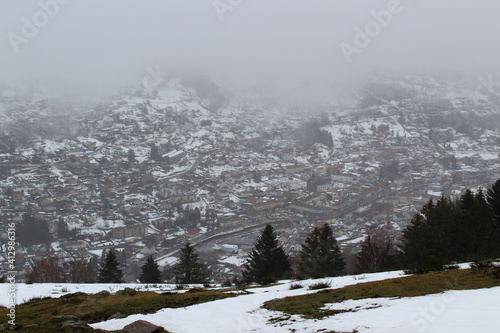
288	48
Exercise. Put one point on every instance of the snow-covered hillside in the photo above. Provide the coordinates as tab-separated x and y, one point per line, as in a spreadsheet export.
175	163
451	311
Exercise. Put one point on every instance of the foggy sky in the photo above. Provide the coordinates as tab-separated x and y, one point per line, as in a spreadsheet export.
289	47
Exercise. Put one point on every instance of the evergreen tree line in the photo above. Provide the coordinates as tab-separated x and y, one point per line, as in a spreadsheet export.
187	215
320	256
311	133
465	229
324	137
267	262
33	230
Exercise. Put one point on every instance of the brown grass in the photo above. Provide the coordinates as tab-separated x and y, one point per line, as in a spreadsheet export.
309	306
92	308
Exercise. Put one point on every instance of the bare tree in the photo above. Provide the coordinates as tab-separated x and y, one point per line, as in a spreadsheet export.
81	271
49	269
374	254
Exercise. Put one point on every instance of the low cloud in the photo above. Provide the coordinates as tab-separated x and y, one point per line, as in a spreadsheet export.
292	49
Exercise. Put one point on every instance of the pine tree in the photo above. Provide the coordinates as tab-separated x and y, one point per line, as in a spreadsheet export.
33	230
320	255
109	272
427	241
154	153
442	227
188	268
62	230
267	261
150	272
414	252
309	253
332	262
476	234
493	199
131	156
460	230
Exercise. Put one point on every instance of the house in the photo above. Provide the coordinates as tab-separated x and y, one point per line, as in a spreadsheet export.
405	198
75	245
135	230
319	184
323	185
184	198
18	195
290	169
173	157
193	232
287	156
308	209
382	207
20	207
163	223
343	178
260	206
43	202
229	219
148	250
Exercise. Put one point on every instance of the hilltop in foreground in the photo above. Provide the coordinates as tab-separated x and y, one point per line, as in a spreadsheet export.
457	300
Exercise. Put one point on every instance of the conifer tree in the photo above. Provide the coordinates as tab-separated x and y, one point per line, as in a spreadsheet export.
188	268
131	156
33	230
320	255
154	153
427	240
493	199
415	251
150	272
267	262
476	236
109	272
460	230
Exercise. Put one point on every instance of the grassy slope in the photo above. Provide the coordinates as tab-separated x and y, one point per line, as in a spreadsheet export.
99	307
309	306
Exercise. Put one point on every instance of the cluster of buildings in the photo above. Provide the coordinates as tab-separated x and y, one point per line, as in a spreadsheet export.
144	174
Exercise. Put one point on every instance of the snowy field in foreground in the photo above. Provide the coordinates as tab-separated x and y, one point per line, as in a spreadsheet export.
25	292
451	311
